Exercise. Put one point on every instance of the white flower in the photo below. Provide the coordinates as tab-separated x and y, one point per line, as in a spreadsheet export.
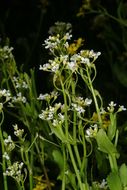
88	101
15	171
61	117
5	93
121	108
102	111
6	156
67	36
85	61
44	96
9	144
55	123
19	83
55	67
93	54
103	184
111	106
72	66
47	114
92	131
52	42
18	132
78	108
19	98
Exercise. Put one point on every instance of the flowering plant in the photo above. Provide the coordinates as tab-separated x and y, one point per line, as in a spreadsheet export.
68	125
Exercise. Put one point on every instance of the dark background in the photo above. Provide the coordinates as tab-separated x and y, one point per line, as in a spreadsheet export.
26	22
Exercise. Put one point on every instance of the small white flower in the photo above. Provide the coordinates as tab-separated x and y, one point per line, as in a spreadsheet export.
61	117
18	132
15	171
55	67
78	108
5	93
72	66
88	101
19	98
103	184
67	36
85	61
93	54
121	108
6	156
102	111
44	96
92	131
111	106
9	144
55	123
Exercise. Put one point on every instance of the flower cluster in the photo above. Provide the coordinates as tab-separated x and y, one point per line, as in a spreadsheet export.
20	83
78	108
100	185
60	28
49	113
9	144
111	108
6	52
72	63
5	94
92	131
15	171
18	132
59	120
47	96
6	156
19	98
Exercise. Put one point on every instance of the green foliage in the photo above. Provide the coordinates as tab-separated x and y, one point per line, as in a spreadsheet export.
114	182
61	127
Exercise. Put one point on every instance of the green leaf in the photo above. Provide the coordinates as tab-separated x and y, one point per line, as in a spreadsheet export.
58	158
114	181
123	174
71	178
104	143
112	127
59	133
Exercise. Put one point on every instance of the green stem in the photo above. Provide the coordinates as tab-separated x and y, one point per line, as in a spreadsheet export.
64	170
75	167
3	150
66	108
68	145
94	97
44	169
74	131
84	148
30	171
113	163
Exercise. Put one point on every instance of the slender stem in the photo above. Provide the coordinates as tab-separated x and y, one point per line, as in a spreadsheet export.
75	168
30	171
94	97
74	131
113	163
65	104
64	170
68	145
44	169
84	147
3	150
22	184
